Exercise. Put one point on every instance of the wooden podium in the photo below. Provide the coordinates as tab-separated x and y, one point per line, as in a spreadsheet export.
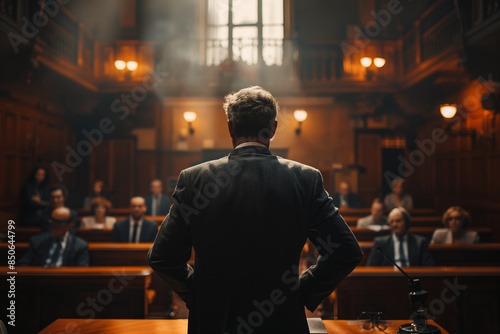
179	326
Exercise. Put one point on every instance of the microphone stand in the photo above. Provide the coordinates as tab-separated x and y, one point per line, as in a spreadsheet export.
417	299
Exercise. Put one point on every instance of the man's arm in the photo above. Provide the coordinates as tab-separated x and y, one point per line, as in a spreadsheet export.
172	247
338	248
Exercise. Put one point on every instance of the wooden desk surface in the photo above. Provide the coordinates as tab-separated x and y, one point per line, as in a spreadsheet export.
179	326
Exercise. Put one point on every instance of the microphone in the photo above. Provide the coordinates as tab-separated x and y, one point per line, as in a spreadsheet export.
417	299
394	263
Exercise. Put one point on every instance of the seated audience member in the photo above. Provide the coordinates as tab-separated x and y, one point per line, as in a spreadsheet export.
407	249
456	220
157	203
377	216
135	228
57	198
99	219
97	191
345	198
34	197
58	247
398	198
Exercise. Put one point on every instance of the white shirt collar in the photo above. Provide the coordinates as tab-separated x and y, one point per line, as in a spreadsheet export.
249	143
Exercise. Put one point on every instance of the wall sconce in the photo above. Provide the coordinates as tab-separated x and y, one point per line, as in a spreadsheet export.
130	65
377	61
300	116
448	110
190	116
366	62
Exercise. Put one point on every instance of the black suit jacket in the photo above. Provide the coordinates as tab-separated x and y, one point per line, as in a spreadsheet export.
418	251
352	201
164	205
121	231
76	252
248	216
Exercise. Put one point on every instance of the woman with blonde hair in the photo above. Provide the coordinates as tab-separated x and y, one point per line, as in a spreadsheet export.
456	220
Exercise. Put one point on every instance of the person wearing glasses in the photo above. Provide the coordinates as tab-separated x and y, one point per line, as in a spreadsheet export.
456	220
58	247
407	249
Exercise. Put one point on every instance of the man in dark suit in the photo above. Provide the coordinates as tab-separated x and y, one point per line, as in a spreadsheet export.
135	228
407	249
157	204
248	216
57	248
345	198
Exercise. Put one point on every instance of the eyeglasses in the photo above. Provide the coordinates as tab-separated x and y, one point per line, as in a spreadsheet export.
369	321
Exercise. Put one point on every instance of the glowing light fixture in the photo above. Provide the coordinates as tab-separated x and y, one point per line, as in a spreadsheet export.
132	65
120	64
299	115
379	62
190	116
448	110
366	61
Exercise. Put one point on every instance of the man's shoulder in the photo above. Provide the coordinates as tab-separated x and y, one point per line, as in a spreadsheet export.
149	222
418	238
39	238
121	222
79	242
382	239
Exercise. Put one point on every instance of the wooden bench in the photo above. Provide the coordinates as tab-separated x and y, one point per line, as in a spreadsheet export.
46	294
422	221
23	234
362	212
461	299
486	254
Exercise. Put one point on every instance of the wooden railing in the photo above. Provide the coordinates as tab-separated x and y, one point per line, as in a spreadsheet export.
320	65
436	30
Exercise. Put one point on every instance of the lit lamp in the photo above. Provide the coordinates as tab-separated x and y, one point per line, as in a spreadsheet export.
190	116
130	65
366	62
300	116
448	110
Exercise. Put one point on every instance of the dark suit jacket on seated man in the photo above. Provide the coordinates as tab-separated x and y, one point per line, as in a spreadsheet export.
135	228
59	247
248	216
407	249
157	204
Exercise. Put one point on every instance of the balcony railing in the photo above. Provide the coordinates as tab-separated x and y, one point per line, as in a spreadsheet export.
320	65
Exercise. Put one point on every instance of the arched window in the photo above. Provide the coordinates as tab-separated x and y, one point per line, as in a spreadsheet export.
245	31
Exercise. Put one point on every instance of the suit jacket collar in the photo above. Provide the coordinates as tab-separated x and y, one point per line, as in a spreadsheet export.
251	150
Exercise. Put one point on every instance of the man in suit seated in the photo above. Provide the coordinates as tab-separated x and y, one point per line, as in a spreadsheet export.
57	199
135	228
345	198
248	216
407	249
157	204
376	218
58	247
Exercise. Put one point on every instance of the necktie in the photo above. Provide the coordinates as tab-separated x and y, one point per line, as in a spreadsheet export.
134	233
55	255
402	256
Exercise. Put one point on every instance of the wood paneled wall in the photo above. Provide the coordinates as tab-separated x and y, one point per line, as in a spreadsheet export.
28	138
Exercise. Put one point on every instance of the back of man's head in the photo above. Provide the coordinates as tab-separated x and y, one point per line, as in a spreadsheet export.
252	112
